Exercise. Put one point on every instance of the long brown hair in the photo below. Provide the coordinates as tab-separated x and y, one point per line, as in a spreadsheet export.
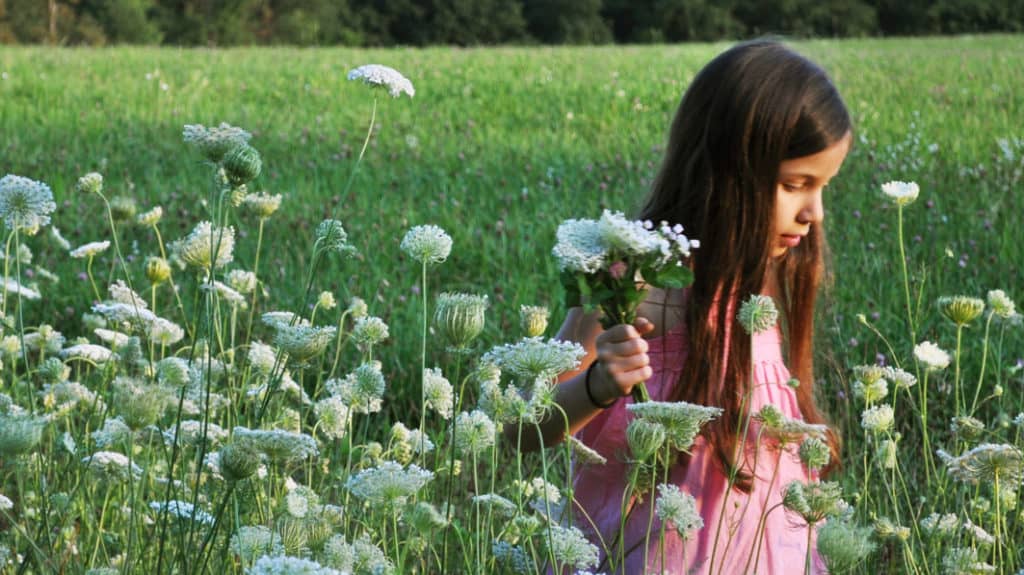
752	107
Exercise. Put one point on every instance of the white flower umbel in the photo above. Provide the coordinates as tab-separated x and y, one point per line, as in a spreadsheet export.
90	249
629	237
758	314
1001	304
110	465
333	416
570	547
474	432
182	510
277	444
216	141
580	246
584	454
901	193
534	358
379	76
362	389
252	541
197	248
89	351
388	483
931	355
682	421
25	204
678	508
427	244
5	503
284	565
301	342
878	419
262	204
987	463
14	287
369	330
150	218
439	394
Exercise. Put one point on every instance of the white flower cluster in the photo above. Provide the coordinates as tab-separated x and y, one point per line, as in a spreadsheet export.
278	444
362	390
303	342
216	141
88	351
369	330
533	358
206	246
931	355
758	314
389	483
901	193
427	244
682	421
787	429
190	432
390	79
111	465
285	565
24	203
986	462
570	547
333	417
587	246
474	432
182	510
252	541
877	419
438	392
360	556
678	508
90	249
1001	304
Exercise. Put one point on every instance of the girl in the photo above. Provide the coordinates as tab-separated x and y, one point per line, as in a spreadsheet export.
757	137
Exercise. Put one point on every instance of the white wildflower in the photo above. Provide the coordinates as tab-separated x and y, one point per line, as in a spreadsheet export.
214	142
92	352
570	547
182	510
878	419
390	79
197	249
678	508
438	392
389	483
90	249
901	193
427	244
362	390
24	203
474	432
931	355
534	358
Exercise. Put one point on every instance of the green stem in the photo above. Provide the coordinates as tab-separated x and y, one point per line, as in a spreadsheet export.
984	357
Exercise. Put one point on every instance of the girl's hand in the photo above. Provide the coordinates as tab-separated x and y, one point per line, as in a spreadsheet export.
622	360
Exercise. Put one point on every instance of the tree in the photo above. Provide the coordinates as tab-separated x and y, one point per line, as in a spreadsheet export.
567	21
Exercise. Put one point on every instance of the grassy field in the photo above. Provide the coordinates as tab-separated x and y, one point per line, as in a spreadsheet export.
498	146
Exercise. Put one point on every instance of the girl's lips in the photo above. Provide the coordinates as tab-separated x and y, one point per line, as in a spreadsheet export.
791	240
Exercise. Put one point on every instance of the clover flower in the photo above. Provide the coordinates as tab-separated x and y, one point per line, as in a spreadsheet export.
961	310
1001	304
682	420
150	218
427	244
91	183
362	390
197	249
110	465
214	142
534	358
182	510
678	508
987	462
758	314
570	547
262	204
878	419
90	249
278	444
901	193
438	392
533	319
843	545
815	501
931	355
285	565
378	76
460	317
332	237
389	483
473	432
25	204
303	342
369	331
332	416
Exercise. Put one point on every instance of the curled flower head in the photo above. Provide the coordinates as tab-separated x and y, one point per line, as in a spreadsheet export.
90	249
242	164
332	237
584	454
758	314
25	204
303	342
244	282
678	508
158	270
961	310
369	330
91	183
19	434
985	463
901	193
815	501
1001	304
262	204
427	244
460	317
379	76
534	319
206	247
931	355
645	438
215	142
815	453
362	390
150	218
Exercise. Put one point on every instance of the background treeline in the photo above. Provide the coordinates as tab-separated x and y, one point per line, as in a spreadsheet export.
471	22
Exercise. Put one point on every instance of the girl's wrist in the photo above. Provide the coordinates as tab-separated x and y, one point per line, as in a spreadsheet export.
590	387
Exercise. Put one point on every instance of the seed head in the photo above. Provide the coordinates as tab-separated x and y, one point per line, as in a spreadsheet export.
460	317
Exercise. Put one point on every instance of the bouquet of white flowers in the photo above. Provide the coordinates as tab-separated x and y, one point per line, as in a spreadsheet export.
609	263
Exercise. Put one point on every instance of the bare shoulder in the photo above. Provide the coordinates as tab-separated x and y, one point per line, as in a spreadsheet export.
663	308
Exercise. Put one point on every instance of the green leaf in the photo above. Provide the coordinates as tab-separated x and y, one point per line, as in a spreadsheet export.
673	276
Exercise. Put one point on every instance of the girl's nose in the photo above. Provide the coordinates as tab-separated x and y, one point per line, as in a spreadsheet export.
813	211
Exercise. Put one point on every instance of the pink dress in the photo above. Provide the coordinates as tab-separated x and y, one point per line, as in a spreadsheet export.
598	489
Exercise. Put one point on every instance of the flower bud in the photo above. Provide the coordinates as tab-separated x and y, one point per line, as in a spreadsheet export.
815	453
242	164
238	461
534	319
293	534
91	183
645	438
157	270
460	317
238	194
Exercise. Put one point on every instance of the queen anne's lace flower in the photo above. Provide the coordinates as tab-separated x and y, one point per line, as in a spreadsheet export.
900	378
24	203
815	453
843	545
427	244
111	465
302	342
384	77
150	218
901	193
333	416
758	314
278	444
214	142
262	204
585	454
580	246
678	508
985	463
460	317
961	310
438	392
570	547
937	525
90	249
474	432
497	503
369	330
534	358
197	248
878	419
1001	304
931	355
89	351
362	389
253	541
389	483
182	510
534	320
815	501
682	420
285	565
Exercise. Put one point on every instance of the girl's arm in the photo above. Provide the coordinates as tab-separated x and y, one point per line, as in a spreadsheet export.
621	353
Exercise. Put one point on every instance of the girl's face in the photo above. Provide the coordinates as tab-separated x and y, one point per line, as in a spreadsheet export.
798	201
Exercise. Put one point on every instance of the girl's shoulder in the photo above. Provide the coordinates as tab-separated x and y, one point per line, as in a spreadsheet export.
665	309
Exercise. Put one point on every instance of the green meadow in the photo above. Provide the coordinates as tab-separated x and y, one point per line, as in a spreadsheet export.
499	146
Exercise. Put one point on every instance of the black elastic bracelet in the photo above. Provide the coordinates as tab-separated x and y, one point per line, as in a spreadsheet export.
590	394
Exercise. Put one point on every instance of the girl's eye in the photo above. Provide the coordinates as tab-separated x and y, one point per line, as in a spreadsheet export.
792	187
